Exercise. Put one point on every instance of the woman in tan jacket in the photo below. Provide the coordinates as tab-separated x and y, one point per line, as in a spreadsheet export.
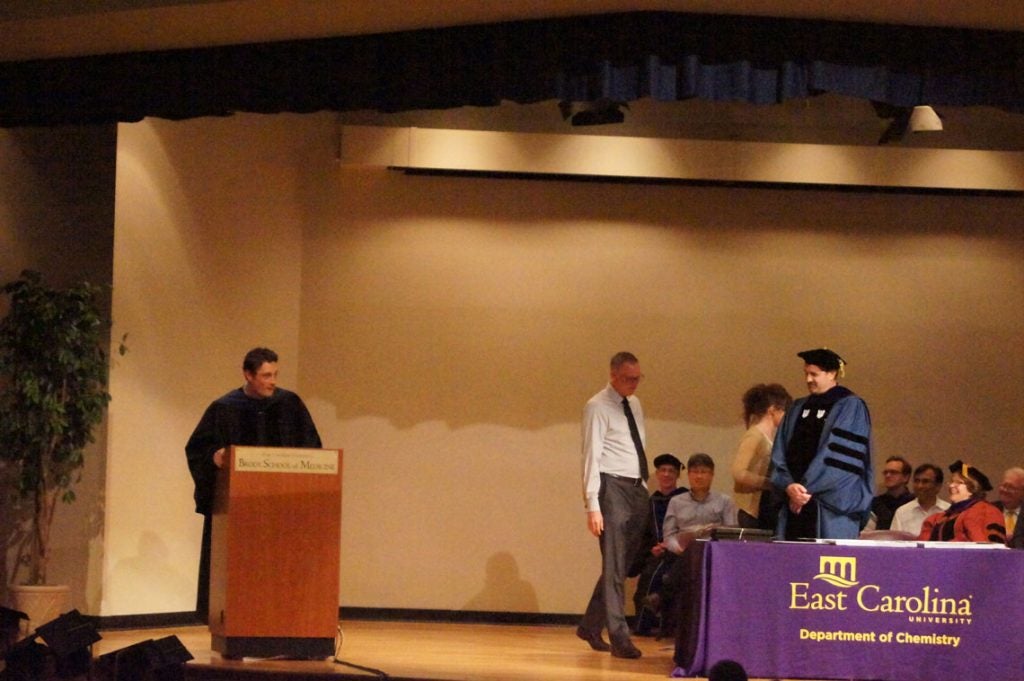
763	408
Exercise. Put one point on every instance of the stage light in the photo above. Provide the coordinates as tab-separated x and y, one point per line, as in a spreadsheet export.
66	653
68	633
897	127
28	660
70	637
906	119
149	660
10	628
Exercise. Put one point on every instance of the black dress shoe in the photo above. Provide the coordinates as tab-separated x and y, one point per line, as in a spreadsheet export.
594	640
629	652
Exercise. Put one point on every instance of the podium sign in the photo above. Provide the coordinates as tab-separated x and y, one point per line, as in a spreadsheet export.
275	553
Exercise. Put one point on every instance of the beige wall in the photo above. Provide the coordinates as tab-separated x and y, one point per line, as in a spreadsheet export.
57	217
446	332
208	262
56	202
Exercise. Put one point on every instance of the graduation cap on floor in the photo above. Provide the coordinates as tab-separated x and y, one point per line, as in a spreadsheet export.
159	660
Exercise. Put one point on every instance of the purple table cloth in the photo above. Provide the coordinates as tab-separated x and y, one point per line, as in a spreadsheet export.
821	611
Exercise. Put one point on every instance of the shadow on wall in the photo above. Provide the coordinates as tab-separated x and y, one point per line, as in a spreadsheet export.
503	588
151	573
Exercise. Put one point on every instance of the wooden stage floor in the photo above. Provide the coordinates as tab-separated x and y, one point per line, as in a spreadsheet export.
426	651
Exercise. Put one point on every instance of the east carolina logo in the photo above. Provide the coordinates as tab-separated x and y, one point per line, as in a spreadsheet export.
929	604
838	571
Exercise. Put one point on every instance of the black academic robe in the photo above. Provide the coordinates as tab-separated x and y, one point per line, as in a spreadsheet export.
280	420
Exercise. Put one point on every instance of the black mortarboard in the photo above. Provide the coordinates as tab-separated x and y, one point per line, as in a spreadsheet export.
824	358
667	459
968	471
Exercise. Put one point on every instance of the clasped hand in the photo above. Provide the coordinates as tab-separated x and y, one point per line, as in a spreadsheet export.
798	496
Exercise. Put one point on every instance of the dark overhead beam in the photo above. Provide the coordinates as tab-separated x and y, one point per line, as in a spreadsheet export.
620	57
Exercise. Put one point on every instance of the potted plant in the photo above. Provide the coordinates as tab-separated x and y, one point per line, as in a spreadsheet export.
53	393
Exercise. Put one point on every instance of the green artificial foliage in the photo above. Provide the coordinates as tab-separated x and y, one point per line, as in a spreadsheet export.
53	393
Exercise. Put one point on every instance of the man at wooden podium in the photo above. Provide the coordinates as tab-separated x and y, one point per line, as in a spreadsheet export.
257	414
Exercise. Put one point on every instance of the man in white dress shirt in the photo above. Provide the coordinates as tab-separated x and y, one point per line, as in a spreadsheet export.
615	498
926	483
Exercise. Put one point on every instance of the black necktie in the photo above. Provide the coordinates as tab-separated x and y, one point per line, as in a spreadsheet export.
634	432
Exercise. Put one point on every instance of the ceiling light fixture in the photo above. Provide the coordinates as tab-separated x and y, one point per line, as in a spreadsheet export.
906	119
924	119
599	112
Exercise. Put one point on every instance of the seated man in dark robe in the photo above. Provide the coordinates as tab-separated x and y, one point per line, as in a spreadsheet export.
895	477
651	565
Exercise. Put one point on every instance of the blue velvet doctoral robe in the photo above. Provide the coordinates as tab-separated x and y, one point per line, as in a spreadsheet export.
839	476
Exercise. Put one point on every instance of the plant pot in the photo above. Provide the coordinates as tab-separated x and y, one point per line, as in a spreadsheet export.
42	604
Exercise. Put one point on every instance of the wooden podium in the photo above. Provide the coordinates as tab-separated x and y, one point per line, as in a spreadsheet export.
275	553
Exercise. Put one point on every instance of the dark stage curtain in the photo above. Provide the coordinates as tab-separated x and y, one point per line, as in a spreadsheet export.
623	57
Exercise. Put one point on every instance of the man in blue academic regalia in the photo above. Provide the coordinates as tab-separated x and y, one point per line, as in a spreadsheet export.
821	458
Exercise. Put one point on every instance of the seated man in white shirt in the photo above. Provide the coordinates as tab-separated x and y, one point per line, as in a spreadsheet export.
926	483
693	514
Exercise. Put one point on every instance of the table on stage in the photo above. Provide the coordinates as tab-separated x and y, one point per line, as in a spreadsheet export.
899	611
